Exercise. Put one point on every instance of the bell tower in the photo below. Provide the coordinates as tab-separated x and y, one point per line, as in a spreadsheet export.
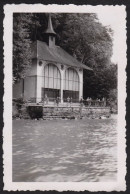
50	34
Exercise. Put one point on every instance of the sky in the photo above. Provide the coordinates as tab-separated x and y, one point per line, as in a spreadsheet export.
114	16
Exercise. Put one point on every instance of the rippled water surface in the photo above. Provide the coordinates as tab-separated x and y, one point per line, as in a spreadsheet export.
65	150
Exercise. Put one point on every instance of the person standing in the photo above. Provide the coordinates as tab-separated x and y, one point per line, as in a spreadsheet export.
81	106
81	101
46	99
68	101
71	100
56	101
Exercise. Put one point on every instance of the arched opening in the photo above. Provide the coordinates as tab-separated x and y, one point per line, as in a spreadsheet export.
71	85
52	82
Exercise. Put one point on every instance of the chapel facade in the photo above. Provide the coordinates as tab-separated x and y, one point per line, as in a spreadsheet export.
53	73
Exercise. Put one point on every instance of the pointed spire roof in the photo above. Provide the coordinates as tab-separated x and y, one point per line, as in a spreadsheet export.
49	29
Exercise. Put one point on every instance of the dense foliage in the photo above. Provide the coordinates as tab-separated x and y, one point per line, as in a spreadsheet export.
81	35
21	45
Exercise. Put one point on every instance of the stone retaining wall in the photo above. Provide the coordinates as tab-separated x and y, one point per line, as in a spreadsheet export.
74	112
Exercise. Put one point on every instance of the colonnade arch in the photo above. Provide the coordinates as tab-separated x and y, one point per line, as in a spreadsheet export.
71	84
51	81
60	83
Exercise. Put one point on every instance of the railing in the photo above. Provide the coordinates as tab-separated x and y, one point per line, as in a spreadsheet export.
45	101
94	103
71	100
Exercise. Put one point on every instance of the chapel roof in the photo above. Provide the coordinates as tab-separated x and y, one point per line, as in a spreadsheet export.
55	54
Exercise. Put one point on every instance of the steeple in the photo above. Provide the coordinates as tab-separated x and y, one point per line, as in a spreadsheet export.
50	34
49	29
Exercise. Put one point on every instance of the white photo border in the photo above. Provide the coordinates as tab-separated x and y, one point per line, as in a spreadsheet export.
120	184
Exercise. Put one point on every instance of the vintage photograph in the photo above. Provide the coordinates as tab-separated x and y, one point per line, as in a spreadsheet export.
65	96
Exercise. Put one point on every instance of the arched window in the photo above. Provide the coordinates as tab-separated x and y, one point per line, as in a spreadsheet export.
71	84
52	76
52	81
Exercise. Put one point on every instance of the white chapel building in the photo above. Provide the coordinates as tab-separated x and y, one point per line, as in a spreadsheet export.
53	73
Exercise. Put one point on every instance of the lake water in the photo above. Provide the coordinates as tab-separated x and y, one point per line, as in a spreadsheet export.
65	150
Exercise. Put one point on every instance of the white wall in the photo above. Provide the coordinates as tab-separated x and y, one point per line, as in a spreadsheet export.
30	81
81	83
40	73
18	90
30	87
29	84
33	68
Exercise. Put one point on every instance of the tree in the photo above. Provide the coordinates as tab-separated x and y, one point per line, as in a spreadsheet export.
21	44
99	83
27	27
84	37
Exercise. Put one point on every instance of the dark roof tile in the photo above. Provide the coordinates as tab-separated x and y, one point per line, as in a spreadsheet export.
56	54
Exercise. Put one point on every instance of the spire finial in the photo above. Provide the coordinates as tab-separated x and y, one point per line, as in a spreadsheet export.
49	29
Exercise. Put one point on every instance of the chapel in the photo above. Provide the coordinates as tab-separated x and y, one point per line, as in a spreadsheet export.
53	73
